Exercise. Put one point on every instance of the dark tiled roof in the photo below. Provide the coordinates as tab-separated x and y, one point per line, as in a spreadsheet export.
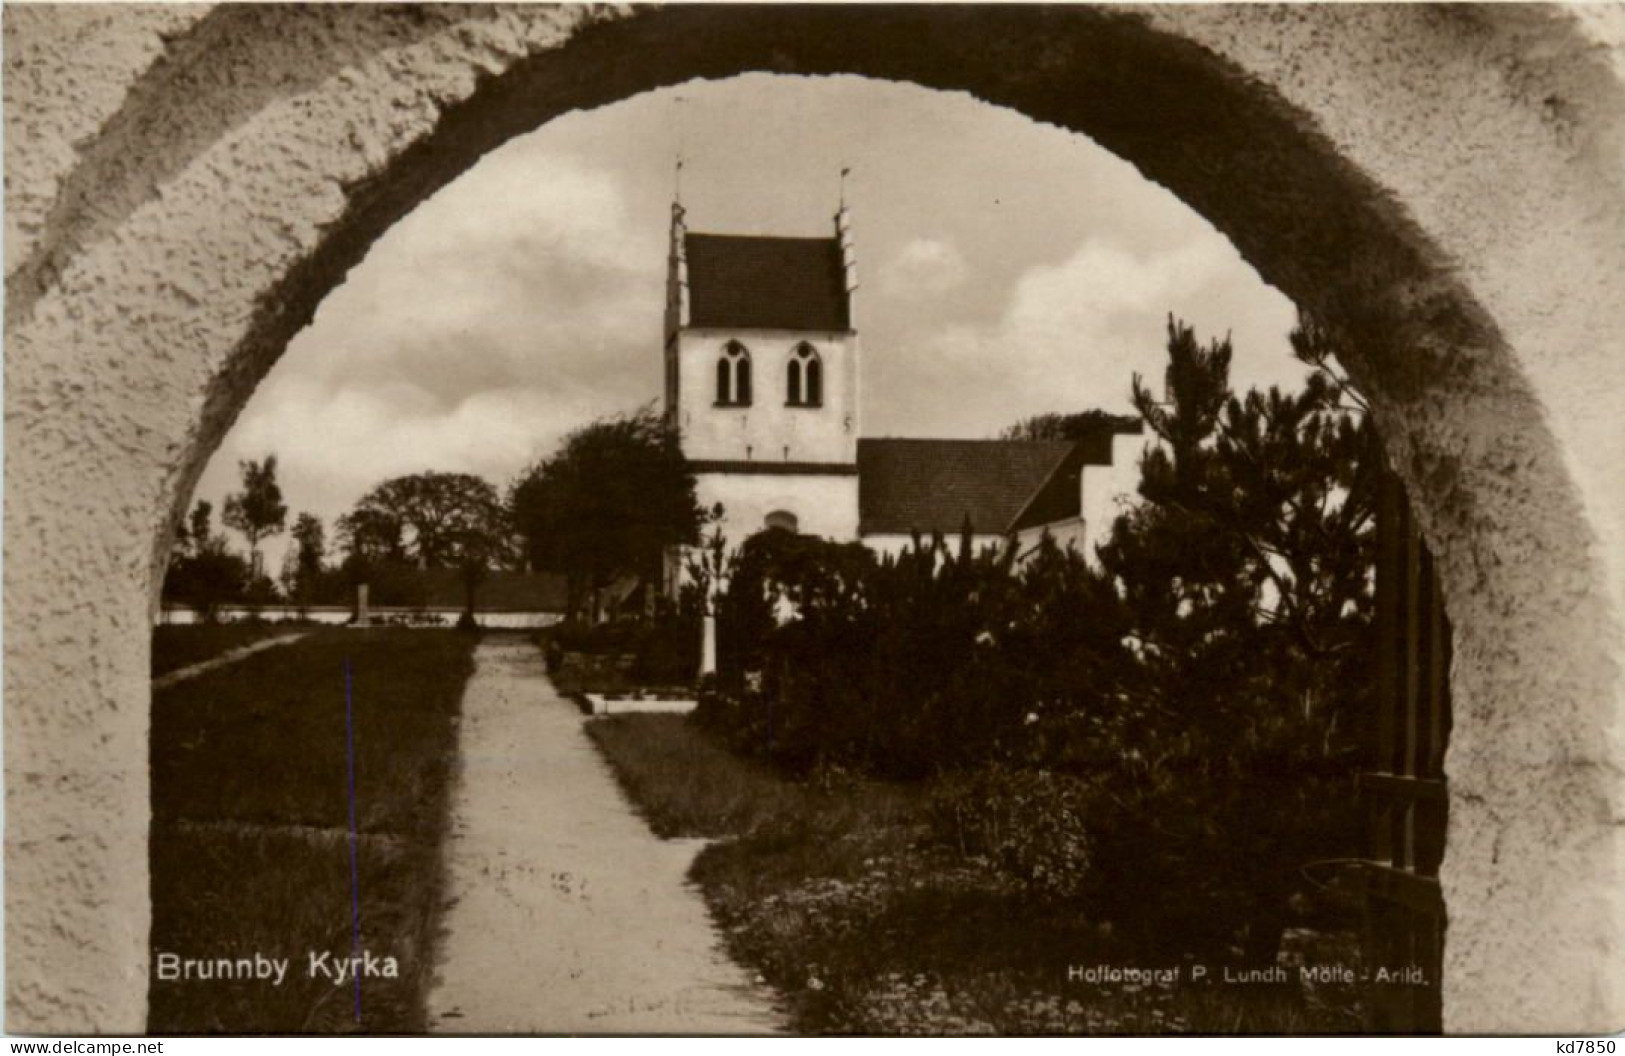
907	485
1059	497
766	283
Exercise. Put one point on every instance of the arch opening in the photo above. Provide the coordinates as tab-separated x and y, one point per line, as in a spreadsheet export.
1465	427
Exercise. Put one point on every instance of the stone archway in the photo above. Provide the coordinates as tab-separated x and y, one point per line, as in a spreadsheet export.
185	184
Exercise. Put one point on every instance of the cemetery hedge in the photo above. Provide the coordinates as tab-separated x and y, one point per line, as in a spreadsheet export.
1048	747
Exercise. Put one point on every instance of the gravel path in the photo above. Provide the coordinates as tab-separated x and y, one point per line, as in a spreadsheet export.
568	915
164	681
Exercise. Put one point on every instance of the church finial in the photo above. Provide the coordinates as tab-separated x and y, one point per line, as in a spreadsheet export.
848	249
677	190
677	255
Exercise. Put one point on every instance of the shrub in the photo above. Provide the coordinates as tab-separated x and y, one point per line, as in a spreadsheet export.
1028	823
1017	684
668	652
740	719
615	636
902	666
1220	827
664	650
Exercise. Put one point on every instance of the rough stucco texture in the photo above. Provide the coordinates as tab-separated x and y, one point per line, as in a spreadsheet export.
183	185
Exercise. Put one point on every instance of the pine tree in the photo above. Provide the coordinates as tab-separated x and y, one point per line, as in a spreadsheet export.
1251	552
1244	581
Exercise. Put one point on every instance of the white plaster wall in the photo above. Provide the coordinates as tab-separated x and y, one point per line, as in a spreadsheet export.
1109	490
1071	533
824	505
147	248
1502	135
768	430
1446	184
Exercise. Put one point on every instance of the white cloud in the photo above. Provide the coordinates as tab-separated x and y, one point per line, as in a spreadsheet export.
518	303
525	298
1073	334
923	267
356	437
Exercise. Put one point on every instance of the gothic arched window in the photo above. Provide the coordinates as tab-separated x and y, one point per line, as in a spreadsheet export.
733	376
804	378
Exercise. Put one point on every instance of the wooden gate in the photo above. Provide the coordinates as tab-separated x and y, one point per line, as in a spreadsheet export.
1405	792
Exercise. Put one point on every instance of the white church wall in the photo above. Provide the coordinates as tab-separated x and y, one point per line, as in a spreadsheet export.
1071	533
768	430
823	504
1107	488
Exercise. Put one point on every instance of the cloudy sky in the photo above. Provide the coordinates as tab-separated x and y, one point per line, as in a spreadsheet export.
1007	268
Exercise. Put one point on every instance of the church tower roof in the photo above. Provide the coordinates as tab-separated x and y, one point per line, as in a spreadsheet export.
770	283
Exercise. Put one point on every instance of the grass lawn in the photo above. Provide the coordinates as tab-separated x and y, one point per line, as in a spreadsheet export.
175	646
837	894
250	830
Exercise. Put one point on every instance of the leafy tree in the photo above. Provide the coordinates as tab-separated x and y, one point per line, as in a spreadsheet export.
259	591
370	534
303	567
258	510
198	531
183	540
608	503
438	520
310	538
203	573
429	518
478	544
1077	426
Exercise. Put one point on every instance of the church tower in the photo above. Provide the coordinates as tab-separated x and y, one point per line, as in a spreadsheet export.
761	363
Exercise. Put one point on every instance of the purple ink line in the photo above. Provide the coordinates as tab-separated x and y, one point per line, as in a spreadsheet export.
355	861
